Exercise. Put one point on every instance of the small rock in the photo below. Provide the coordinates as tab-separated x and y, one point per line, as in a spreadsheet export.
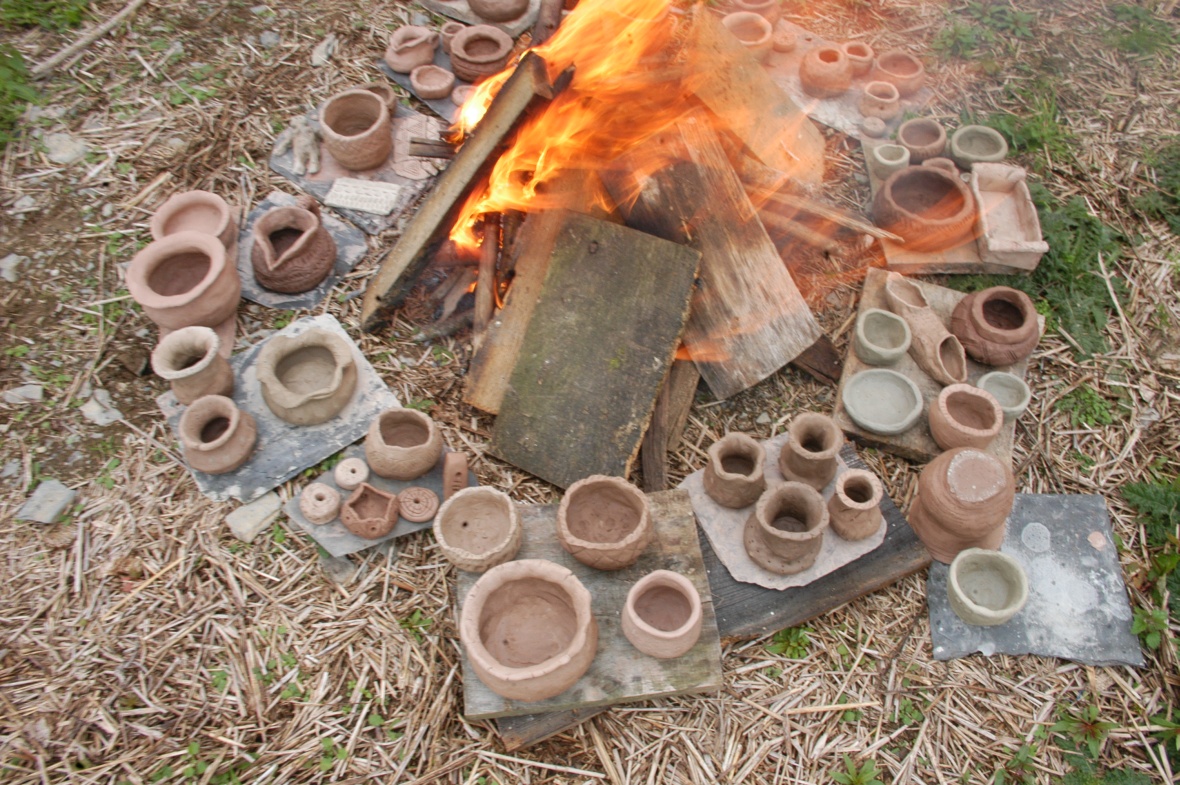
10	470
419	18
26	393
249	520
24	204
269	39
35	113
100	409
10	267
324	50
108	210
763	419
259	10
339	569
135	360
48	502
65	149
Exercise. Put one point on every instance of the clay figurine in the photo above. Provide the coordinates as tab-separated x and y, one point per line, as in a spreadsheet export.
972	144
217	436
881	337
480	51
454	477
881	400
498	10
604	522
403	444
307	378
923	137
350	473
190	360
409	47
304	143
825	72
196	211
447	32
478	528
431	82
855	506
997	326
319	503
1009	390
809	454
292	250
885	159
753	30
965	416
356	129
369	512
860	56
662	615
417	504
880	99
901	69
735	475
785	532
936	351
986	588
964	497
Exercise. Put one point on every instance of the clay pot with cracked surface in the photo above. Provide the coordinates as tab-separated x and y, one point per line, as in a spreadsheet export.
356	129
480	51
785	532
604	522
809	454
997	326
753	30
986	588
880	99
478	528
498	10
901	69
292	251
964	497
195	211
860	57
932	346
409	47
735	475
217	436
965	416
662	616
432	82
403	444
319	503
855	506
190	360
369	512
825	72
307	378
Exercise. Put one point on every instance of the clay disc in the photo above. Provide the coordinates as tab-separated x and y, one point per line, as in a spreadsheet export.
418	505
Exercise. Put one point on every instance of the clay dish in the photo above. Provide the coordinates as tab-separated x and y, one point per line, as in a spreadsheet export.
319	503
965	416
217	436
882	337
986	588
753	30
350	473
498	10
480	51
662	615
604	522
478	528
185	279
308	378
431	82
809	456
997	326
825	72
860	56
972	144
885	159
190	360
735	475
964	498
195	211
356	129
873	127
785	532
880	99
932	209
369	512
923	137
1009	390
901	69
403	444
882	401
855	506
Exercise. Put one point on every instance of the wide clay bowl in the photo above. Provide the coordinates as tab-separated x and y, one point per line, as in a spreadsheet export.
882	401
478	528
195	211
929	207
986	588
972	144
900	69
662	615
604	522
923	137
1009	390
307	378
965	416
753	30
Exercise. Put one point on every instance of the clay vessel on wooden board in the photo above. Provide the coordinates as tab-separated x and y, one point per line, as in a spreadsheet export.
885	159
356	129
604	522
855	506
478	528
403	444
1009	390
930	208
770	10
308	378
409	47
965	416
195	211
350	473
785	532
369	512
881	400
825	72
986	588
783	39
964	497
447	32
880	99
900	69
185	279
735	475
754	32
454	477
881	337
319	503
382	90
217	436
809	454
933	347
292	251
480	51
972	144
431	82
860	57
997	326
662	615
190	360
498	10
528	629
923	137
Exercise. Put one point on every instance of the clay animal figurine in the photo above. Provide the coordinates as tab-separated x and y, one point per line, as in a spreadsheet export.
662	615
403	444
735	475
303	142
217	436
190	360
964	497
809	454
785	532
604	522
293	252
932	346
478	528
369	512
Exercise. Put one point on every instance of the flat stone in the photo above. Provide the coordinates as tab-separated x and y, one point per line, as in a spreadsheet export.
324	50
25	394
135	360
763	419
269	39
10	267
50	499
24	204
65	149
250	520
10	470
339	569
100	410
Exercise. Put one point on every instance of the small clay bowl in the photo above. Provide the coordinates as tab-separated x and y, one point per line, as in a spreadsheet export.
462	94
662	616
860	55
965	416
923	137
882	337
478	528
604	522
900	69
972	144
431	82
986	588
882	401
1009	390
885	159
755	33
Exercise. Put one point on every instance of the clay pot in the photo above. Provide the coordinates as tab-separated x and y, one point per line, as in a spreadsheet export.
319	503
478	528
528	629
431	82
986	588
932	209
936	351
307	378
882	401
770	10
369	512
185	279
754	32
873	127
1009	390
809	454
480	51
662	615
997	326
923	137
900	69
880	99
454	477
462	94
825	72
447	32
885	159
498	10
964	497
881	337
965	416
785	532
604	522
350	473
356	129
292	250
190	360
216	435
195	211
383	91
409	47
855	506
403	444
735	474
783	39
860	57
972	144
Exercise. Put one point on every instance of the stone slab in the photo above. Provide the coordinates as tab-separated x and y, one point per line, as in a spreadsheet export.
461	10
48	502
250	520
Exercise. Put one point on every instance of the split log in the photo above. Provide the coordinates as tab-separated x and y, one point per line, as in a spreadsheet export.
548	18
485	288
667	423
430	148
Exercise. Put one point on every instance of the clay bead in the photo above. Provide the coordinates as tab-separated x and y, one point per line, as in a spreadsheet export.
855	506
480	51
932	346
190	360
825	72
809	455
195	211
662	615
964	497
185	279
403	444
860	57
409	47
880	99
319	503
454	473
498	10
932	209
901	69
785	532
369	512
997	326
604	522
735	474
923	137
217	436
350	473
986	588
965	416
754	32
306	379
292	250
478	528
356	129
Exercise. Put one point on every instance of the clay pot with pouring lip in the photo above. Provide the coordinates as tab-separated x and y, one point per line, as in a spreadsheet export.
825	72
498	10
965	416
855	506
480	51
880	99
735	475
190	360
478	528
319	503
932	346
662	615
930	208
409	47
860	56
784	533
754	32
356	129
196	211
809	454
292	251
964	498
997	326
432	82
901	69
306	379
986	588
369	512
403	444
604	522
216	435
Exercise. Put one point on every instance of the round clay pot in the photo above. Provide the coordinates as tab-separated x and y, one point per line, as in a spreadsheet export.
936	351
383	91
462	94
855	506
900	69
752	30
881	337
986	588
860	56
409	47
873	127
498	10
923	137
292	250
997	326
195	211
369	512
350	473
662	615
825	72
932	209
783	39
356	129
965	416
770	10
528	629
735	475
785	532
964	497
190	360
604	522
306	378
431	82
478	528
1009	390
454	477
217	436
185	279
885	159
480	51
809	454
403	444
880	99
882	401
319	503
972	144
447	32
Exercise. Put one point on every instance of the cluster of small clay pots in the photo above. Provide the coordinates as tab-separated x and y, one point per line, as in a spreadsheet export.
476	52
828	72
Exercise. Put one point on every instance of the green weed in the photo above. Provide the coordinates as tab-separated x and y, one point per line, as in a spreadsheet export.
908	713
1158	504
867	774
1151	625
15	92
1143	35
793	643
1084	729
416	624
1162	203
1021	770
56	15
1085	407
332	754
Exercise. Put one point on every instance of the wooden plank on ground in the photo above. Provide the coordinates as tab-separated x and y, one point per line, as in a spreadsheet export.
667	423
821	361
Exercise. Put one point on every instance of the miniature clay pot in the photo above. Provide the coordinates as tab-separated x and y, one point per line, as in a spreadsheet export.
195	211
431	82
972	144
785	532
369	512
809	454
825	72
1009	390
930	208
307	378
356	129
319	503
185	279
881	337
662	615
454	477
350	473
498	10
965	416
462	94
383	91
447	32
880	99
997	326
604	522
403	444
770	10
860	57
190	360
292	250
873	127
752	30
783	39
855	506
986	588
900	69
217	436
480	51
478	528
964	497
923	137
936	351
417	504
528	629
735	475
885	159
409	47
882	401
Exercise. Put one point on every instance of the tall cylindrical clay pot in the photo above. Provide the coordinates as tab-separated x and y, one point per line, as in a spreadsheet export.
809	454
662	615
997	326
478	528
855	506
735	475
964	498
785	532
306	379
185	279
356	129
403	444
190	360
216	435
604	522
292	251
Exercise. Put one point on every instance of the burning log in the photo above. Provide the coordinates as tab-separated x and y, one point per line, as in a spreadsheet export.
485	289
548	18
431	148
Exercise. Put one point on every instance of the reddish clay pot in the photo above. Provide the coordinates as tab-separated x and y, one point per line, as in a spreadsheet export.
933	348
855	506
306	379
809	454
478	528
383	91
447	32
369	512
965	416
770	10
880	99
825	72
409	47
860	56
964	497
755	33
923	137
735	475
604	522
997	326
292	250
217	436
190	360
350	473
662	615
498	10
454	477
403	444
785	532
901	69
480	51
195	211
319	503
356	129
431	82
185	279
932	209
417	504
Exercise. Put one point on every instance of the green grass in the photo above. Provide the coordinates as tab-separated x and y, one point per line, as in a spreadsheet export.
1163	201
15	92
56	15
1141	33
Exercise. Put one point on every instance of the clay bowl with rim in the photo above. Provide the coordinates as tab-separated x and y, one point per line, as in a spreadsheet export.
735	474
432	82
356	129
753	30
880	99
1009	390
825	72
860	56
928	206
900	69
306	379
965	416
662	616
972	144
403	444
882	337
480	51
924	137
604	522
882	401
195	211
217	436
185	279
997	326
478	528
986	588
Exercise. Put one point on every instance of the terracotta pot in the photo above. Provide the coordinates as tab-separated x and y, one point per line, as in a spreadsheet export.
478	528
986	588
190	360
881	337
964	497
454	477
783	39
860	56
195	211
997	326
217	436
403	444
880	99
770	10
498	10
528	629
319	503
855	506
932	209
350	473
882	401
409	47
307	378
1009	390
662	615
754	32
933	348
735	475
972	144
809	454
965	416
447	32
480	51
356	129
785	532
604	522
462	94
383	91
923	137
885	159
185	279
900	69
417	504
431	82
825	72
292	250
369	512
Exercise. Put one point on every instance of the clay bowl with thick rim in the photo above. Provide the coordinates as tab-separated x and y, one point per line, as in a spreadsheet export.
1009	390
928	206
604	522
753	30
900	69
662	616
478	528
403	444
882	401
882	337
972	144
965	416
986	588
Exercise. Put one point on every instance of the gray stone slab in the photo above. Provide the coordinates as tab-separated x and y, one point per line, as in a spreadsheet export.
49	501
443	107
250	520
1077	601
459	9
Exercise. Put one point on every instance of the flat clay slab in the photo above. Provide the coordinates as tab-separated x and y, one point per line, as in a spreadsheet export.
1077	601
461	10
283	450
443	107
725	528
620	673
350	249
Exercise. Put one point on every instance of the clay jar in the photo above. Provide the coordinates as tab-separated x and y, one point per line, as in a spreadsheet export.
972	144
965	416
855	506
900	69
882	401
447	32
528	629
369	512
923	137
478	528
662	615
885	159
1009	390
753	30
770	10
825	72
928	206
403	444
498	10
409	47
880	99
319	503
307	378
217	436
479	51
860	57
986	588
809	454
785	532
292	250
936	351
356	129
195	211
997	326
190	360
604	522
431	82
735	475
881	337
964	497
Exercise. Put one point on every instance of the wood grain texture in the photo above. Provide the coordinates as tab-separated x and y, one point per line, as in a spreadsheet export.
667	423
821	361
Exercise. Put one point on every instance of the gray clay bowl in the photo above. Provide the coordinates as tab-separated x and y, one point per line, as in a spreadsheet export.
986	588
882	401
882	337
1009	389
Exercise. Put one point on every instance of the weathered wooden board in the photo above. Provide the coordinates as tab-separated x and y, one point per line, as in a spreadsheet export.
596	351
821	361
667	423
620	673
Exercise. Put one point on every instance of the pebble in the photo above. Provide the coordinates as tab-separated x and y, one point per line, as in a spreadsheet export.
324	50
10	470
10	267
258	10
763	419
35	113
100	409
26	393
250	520
339	569
108	210
48	502
269	39
65	149
24	204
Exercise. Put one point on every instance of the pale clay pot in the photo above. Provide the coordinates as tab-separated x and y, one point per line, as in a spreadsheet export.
932	346
190	360
901	69
784	533
986	588
662	615
964	498
478	528
356	129
185	279
216	435
883	401
308	378
735	475
195	211
403	444
855	506
881	337
973	144
885	159
880	99
809	454
604	522
1009	390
